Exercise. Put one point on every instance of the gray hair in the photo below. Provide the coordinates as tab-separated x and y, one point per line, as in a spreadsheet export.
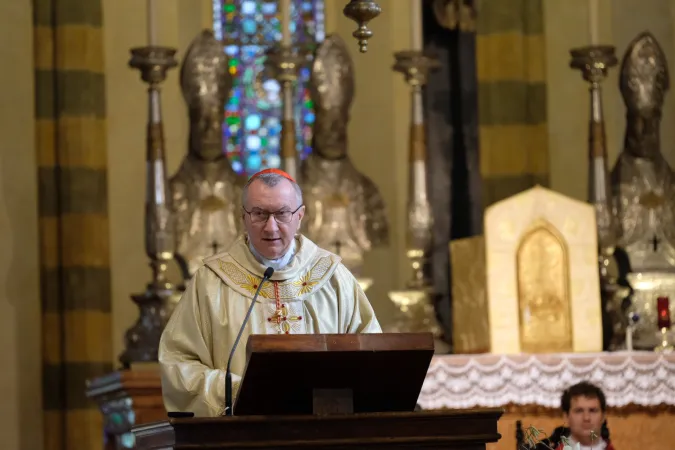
271	179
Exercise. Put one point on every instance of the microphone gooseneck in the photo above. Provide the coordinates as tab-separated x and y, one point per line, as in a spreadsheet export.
228	374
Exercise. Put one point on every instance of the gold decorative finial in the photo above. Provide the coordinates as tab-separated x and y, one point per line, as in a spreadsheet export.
362	12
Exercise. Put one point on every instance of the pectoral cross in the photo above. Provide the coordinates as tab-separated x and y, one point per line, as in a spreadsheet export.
215	246
655	243
283	320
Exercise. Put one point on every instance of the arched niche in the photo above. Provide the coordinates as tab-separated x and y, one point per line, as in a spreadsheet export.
544	301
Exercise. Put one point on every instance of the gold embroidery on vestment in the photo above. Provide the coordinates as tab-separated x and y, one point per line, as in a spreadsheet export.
289	289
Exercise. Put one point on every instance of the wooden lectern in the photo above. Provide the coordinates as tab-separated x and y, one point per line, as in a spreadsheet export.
330	391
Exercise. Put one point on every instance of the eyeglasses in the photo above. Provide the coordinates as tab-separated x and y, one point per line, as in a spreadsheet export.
260	216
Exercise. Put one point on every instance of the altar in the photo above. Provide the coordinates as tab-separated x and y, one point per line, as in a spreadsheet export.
639	386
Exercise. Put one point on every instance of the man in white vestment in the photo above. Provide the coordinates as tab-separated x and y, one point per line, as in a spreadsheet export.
311	291
584	408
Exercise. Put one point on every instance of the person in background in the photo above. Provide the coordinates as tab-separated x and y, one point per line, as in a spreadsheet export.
584	409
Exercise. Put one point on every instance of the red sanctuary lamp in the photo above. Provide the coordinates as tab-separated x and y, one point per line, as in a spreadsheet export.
663	312
664	323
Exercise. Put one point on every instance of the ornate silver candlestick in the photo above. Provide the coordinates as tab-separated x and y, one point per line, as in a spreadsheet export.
283	64
156	303
415	66
416	311
362	12
594	63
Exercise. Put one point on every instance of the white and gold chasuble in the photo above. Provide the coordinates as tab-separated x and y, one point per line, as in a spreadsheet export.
314	294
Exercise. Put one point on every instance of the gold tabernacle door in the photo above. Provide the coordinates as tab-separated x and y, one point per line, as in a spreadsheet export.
544	304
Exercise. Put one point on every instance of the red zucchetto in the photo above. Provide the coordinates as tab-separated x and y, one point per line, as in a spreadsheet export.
277	171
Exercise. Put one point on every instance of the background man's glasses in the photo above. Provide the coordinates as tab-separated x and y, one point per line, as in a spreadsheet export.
260	216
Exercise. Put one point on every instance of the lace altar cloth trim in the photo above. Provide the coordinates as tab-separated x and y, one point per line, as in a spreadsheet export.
492	381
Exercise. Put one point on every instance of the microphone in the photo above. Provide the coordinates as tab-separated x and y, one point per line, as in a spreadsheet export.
228	374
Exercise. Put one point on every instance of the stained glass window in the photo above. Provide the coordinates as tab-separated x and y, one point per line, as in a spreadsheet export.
252	124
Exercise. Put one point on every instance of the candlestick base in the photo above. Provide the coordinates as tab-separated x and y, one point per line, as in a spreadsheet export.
665	346
362	12
141	341
416	314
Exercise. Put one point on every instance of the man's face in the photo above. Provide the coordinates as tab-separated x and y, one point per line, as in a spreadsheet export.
272	238
585	416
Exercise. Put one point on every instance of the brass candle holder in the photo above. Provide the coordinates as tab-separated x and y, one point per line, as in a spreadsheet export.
160	296
283	63
362	12
594	63
416	311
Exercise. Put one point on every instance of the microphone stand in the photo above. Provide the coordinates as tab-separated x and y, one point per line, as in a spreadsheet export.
228	374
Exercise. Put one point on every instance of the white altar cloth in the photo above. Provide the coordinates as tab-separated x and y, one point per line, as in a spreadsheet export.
487	380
